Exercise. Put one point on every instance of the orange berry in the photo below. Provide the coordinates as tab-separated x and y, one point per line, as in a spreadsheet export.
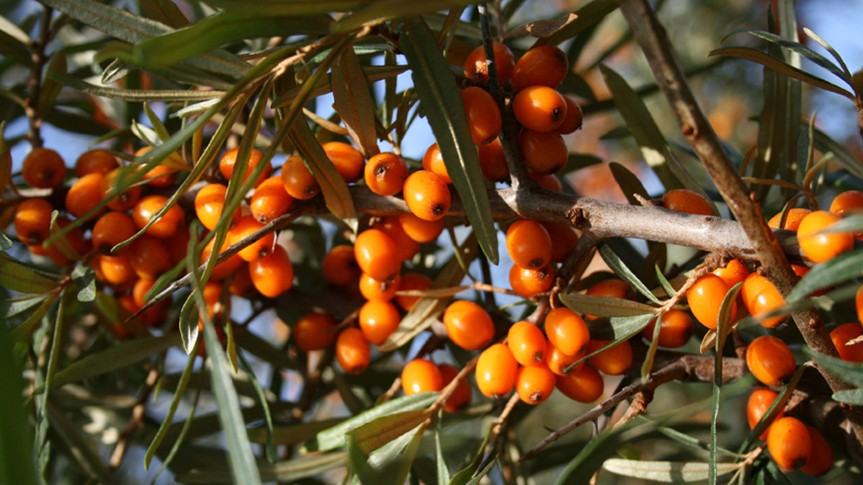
476	64
84	194
574	117
112	229
149	257
340	266
539	108
126	199
227	267
792	218
273	274
821	246
543	152
140	289
378	320
166	225
314	331
95	161
687	201
411	282
483	115
117	270
492	161
675	329
770	360
348	160
216	305
298	180
43	168
496	371
527	343
562	364
789	443
427	195
582	385
241	282
567	331
229	160
858	303
461	396
244	228
406	247
614	361
373	289
270	200
352	351
757	405
821	457
761	297
528	244
433	162
420	230
544	65
847	202
842	335
611	288
385	174
527	283
33	221
705	299
209	203
161	176
468	325
548	181
563	240
421	375
534	383
734	272
375	253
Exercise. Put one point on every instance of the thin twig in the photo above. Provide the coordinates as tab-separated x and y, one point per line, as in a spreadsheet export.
38	58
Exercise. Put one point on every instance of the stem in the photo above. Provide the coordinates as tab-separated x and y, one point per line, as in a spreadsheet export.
34	80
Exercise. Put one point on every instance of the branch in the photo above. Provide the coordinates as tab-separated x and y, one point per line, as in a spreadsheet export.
34	80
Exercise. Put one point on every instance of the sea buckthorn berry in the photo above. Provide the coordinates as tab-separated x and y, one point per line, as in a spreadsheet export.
427	195
705	299
496	371
567	331
160	176
298	180
492	161
140	289
476	64
33	221
468	325
43	168
527	343
406	247
420	230
792	218
166	225
244	228
846	202
528	283
539	108
528	244
126	199
842	335
373	289
229	160
314	331
757	405
675	329
547	181
534	383
273	274
610	288
821	456
433	162
216	305
352	351
687	201
84	194
821	246
461	396
770	360
574	117
544	65
378	320
563	240
562	364
411	282
227	267
789	443
112	229
117	270
543	152
734	272
348	160
270	200
858	304
613	361
761	297
95	161
241	283
375	253
421	375
149	257
483	115
209	203
583	384
385	174
340	266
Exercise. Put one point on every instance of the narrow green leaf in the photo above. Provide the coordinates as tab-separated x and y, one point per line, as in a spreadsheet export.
605	306
628	183
135	95
616	264
353	101
51	88
85	279
294	433
262	398
388	464
850	372
666	471
838	270
442	106
851	396
16	433
172	409
284	471
589	15
381	10
829	48
647	365
375	434
294	7
164	11
443	476
618	328
28	326
841	154
23	279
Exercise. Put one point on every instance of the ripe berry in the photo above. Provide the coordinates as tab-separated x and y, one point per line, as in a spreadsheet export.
858	303
675	329
476	64
847	202
842	335
373	289
582	385
84	194
43	168
420	230
117	270
563	240
528	244
352	351
375	253
705	299
562	364
789	443
461	396
433	162
534	383
527	343
160	176
528	283
734	272
244	228
95	161
314	331
411	282
496	371
756	407
149	257
270	200
166	225
273	274
567	331
468	325
125	199
227	267
574	117
492	161
385	174
761	297
547	181
348	160
112	229
33	221
543	152
539	108
378	320
770	360
821	246
421	375
687	201
406	247
209	203
544	65
427	195
298	180
614	361
340	266
229	160
483	116
821	456
793	217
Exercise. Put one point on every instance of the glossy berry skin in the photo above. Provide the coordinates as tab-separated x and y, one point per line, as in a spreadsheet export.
372	289
270	200
273	274
116	269
461	396
492	161
483	116
468	325
734	272
496	371
124	200
298	180
687	201
385	174
349	161
476	65
847	202
149	256
227	267
705	299
420	230
421	375
770	360
378	320
85	194
166	225
539	108
858	303
563	240
793	217
757	405
433	162
675	329
112	229
760	297
43	168
229	160
353	352
821	246
821	456
544	65
411	282
527	343
583	385
562	364
534	383
33	221
375	253
243	229
843	334
209	203
543	152
789	443
427	195
547	181
528	244
528	283
95	161
614	361
406	247
314	331
567	331
574	117
340	266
